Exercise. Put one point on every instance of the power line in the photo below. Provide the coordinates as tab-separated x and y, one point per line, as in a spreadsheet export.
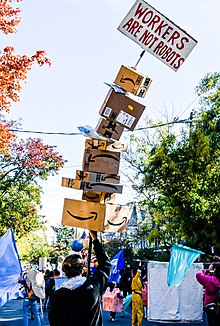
190	104
165	124
47	132
79	133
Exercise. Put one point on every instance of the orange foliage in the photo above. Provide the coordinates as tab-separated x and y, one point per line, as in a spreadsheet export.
5	136
13	68
9	17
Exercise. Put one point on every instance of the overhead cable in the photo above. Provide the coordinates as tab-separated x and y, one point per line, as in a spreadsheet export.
79	133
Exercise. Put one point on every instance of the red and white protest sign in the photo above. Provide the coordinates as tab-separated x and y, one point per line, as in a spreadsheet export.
157	34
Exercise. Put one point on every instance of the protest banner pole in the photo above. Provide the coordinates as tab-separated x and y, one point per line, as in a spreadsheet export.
89	255
141	55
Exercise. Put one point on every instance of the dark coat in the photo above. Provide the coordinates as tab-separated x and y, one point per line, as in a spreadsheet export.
82	306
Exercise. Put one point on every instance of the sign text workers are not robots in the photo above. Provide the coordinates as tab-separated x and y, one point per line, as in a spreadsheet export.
157	34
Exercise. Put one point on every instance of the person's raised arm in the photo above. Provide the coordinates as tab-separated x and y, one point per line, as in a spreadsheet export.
104	263
93	234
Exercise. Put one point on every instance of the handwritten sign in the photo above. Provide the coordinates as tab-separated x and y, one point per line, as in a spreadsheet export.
157	35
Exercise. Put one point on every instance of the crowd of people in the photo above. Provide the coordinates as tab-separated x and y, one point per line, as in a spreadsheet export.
80	295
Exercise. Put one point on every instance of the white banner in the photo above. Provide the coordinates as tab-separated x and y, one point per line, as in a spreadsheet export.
157	35
183	303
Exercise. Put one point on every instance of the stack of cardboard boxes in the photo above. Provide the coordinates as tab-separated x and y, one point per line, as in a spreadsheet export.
99	179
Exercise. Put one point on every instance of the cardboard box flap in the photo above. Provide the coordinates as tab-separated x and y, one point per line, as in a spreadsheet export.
116	218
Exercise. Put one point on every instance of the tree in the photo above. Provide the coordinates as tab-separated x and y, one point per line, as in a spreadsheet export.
113	246
32	247
178	176
14	69
9	17
64	237
25	163
21	163
65	234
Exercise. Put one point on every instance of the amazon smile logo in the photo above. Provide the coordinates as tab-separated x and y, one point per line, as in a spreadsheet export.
92	215
92	157
120	223
96	196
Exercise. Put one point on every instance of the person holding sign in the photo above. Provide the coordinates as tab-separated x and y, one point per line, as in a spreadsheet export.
78	301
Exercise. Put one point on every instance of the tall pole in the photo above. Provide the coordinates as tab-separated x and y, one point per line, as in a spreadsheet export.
190	128
141	55
89	255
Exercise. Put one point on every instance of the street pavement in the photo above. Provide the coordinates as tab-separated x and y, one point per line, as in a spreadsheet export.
11	315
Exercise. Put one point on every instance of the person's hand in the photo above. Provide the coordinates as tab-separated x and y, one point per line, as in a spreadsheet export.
93	234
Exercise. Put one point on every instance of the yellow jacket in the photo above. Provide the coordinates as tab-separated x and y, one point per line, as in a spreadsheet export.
136	284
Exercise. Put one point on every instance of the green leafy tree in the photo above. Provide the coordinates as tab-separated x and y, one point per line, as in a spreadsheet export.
64	236
25	163
18	209
177	176
33	246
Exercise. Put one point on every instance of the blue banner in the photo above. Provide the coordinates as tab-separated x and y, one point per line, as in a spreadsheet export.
10	268
117	264
181	260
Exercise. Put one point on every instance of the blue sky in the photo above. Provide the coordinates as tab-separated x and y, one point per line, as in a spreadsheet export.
86	49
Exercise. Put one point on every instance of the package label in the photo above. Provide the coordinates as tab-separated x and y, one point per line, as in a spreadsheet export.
126	119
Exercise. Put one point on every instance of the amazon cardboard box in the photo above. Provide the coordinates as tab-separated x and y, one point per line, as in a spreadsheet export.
95	216
121	109
95	160
98	197
133	81
92	186
109	129
97	177
104	145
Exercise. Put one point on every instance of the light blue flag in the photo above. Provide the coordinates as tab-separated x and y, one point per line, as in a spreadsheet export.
116	88
89	131
117	264
10	268
181	260
126	303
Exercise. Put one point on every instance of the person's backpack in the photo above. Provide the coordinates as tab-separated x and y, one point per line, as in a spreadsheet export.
36	285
